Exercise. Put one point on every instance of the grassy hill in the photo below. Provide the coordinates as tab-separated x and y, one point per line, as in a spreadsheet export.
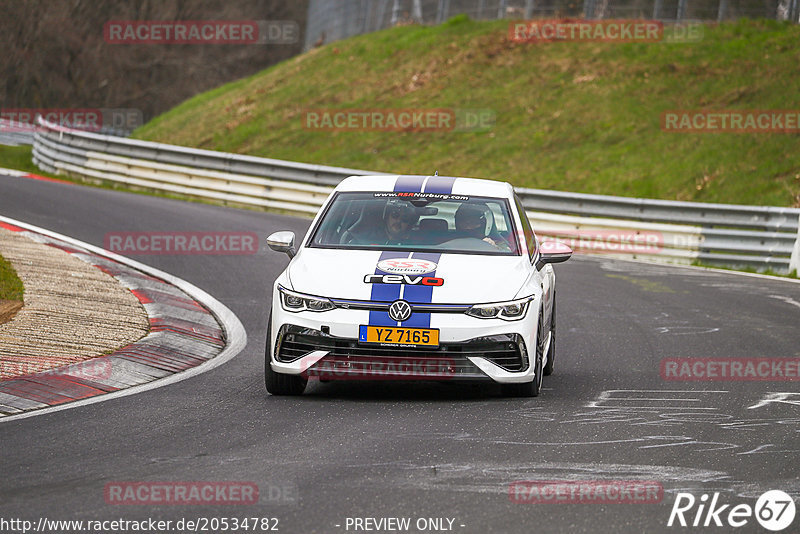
572	116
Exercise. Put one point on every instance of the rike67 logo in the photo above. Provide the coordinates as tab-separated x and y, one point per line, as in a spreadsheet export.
774	510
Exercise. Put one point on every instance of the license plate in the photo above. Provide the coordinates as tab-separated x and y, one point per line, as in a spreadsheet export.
397	335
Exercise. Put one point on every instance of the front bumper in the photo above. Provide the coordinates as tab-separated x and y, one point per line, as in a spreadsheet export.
299	350
470	348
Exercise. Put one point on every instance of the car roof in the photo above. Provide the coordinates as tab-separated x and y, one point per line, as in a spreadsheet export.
460	186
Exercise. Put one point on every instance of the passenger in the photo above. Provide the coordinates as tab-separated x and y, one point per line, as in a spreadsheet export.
471	222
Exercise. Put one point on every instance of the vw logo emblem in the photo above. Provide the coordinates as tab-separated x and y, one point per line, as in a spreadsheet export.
400	310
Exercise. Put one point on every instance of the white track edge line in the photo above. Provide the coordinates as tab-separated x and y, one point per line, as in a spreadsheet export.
13	172
694	267
235	334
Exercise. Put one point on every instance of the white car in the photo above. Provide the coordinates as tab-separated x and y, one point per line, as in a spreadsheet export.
415	277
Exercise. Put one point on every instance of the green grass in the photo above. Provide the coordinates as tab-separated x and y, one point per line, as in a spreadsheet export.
19	158
570	116
11	287
752	270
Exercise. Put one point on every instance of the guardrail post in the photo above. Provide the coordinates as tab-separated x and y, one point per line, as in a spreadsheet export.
416	12
794	263
395	13
722	12
501	9
681	10
657	9
588	9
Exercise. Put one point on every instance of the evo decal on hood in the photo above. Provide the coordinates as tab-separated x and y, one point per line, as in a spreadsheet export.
403	279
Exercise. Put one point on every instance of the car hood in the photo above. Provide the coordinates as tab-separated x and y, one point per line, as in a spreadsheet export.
468	278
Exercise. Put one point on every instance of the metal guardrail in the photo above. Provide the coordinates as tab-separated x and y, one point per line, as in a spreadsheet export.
658	230
668	211
17	133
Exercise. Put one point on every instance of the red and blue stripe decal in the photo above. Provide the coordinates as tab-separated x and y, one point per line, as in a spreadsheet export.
414	294
420	294
385	292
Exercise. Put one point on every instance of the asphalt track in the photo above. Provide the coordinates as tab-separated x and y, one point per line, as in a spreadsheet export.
366	449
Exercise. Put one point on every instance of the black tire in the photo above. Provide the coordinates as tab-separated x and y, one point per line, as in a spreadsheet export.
533	388
551	352
279	383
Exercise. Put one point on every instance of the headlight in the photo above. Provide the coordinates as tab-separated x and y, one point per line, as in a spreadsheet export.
508	311
296	302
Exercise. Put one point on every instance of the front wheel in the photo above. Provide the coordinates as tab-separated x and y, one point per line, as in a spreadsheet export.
533	388
551	352
279	383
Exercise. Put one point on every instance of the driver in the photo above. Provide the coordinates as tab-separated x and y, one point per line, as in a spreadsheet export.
471	222
399	218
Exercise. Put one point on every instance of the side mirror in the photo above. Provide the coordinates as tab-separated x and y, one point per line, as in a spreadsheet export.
282	242
553	252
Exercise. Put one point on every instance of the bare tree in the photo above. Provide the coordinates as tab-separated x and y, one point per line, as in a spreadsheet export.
54	54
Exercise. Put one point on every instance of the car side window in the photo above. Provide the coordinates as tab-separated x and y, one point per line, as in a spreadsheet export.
530	237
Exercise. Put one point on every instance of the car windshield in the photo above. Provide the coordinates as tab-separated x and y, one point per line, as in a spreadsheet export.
417	221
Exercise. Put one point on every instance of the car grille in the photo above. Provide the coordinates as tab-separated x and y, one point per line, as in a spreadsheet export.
449	359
